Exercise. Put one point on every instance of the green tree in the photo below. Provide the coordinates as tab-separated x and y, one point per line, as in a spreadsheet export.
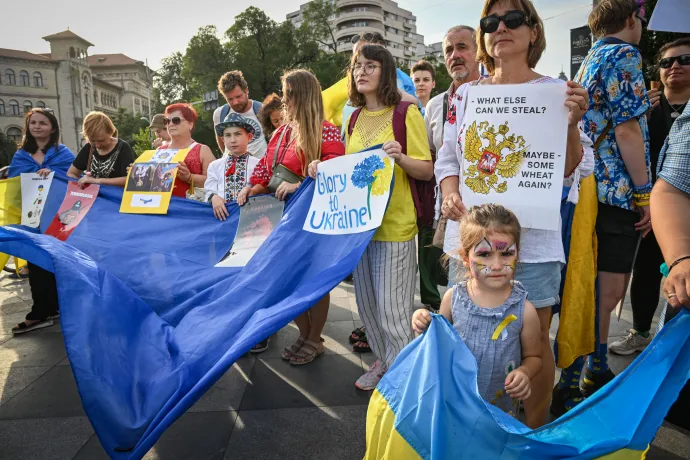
141	141
317	23
128	125
7	150
169	80
204	61
652	41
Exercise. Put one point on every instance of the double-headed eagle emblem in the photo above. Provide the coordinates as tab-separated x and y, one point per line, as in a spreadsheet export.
483	163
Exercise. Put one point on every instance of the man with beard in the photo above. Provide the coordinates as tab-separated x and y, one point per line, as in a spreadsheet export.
234	88
460	49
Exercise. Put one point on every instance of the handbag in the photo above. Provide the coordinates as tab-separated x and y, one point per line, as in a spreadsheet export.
281	173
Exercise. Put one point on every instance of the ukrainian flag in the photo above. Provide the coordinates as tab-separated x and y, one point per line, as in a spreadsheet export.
10	210
427	406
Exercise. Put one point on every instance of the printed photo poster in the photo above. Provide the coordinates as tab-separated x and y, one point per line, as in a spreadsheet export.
258	217
514	150
350	194
150	181
34	194
74	207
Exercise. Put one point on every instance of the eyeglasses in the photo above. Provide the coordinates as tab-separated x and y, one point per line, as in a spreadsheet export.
368	69
512	20
42	109
174	120
667	63
371	37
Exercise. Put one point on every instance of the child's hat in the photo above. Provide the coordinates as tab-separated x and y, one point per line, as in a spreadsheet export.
236	120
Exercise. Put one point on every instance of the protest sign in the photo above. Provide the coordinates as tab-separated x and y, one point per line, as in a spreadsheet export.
514	150
74	207
258	217
150	181
350	194
34	193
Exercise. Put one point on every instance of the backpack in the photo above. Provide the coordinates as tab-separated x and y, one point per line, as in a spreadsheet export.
423	192
225	110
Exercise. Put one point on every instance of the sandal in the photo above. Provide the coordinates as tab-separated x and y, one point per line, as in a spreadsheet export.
290	351
361	347
358	335
22	327
308	353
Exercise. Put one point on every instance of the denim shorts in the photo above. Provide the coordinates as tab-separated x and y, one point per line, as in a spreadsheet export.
542	281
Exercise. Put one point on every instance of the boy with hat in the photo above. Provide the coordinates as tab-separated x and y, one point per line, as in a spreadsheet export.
228	177
159	131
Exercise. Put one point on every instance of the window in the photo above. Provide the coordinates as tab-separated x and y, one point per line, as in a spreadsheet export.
24	78
41	104
14	134
95	97
9	77
14	107
102	98
86	99
2	107
71	52
38	80
27	106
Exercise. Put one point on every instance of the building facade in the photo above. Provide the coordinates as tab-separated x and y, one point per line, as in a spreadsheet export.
398	26
71	83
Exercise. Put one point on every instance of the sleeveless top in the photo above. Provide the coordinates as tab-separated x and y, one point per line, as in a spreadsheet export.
193	162
495	344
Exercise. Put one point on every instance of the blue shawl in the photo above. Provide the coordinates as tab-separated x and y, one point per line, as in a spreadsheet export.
57	159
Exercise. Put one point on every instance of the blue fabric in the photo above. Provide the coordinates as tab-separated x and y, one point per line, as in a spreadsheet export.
58	159
432	390
150	325
405	82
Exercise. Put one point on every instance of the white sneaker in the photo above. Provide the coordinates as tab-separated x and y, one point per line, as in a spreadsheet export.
630	343
369	380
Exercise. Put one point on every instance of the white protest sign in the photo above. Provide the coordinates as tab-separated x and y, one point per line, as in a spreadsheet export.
34	194
514	150
350	193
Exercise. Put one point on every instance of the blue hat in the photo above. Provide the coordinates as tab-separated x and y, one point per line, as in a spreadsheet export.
236	120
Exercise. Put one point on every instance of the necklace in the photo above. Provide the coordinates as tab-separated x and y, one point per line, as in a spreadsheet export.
677	109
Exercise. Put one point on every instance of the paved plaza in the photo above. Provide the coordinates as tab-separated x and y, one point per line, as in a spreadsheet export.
261	409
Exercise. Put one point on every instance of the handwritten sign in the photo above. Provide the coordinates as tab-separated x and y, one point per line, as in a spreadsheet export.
34	193
514	150
350	194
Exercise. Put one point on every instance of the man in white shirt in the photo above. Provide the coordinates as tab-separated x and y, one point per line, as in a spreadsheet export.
460	49
234	88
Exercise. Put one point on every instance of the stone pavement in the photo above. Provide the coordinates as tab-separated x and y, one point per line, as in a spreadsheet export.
261	409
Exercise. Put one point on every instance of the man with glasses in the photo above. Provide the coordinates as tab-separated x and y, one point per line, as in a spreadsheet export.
616	123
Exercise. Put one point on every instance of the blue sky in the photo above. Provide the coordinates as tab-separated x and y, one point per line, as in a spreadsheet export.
153	30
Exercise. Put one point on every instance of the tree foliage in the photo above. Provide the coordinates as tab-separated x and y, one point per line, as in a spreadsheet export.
7	150
128	125
317	23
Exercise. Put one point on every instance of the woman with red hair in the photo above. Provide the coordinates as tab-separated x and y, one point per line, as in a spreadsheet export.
180	120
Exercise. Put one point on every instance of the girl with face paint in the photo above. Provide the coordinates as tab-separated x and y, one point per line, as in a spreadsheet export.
490	311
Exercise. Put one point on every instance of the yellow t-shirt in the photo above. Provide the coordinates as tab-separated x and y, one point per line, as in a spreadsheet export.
373	128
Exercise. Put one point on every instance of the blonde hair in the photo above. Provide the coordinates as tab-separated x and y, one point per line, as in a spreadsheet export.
97	122
536	49
610	16
302	87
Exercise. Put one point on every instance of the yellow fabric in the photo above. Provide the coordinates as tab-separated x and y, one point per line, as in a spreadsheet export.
10	208
506	321
383	441
334	99
626	454
373	128
579	294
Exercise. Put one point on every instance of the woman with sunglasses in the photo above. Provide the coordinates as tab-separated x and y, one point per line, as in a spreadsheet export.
510	43
191	172
105	158
304	138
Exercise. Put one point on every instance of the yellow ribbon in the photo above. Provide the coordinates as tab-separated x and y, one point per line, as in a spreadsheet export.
506	321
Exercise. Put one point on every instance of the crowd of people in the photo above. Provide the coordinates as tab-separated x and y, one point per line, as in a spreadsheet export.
626	136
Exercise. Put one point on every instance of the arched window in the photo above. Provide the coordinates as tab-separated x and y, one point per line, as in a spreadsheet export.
14	107
86	98
71	52
41	104
24	78
14	134
9	77
38	79
2	107
86	79
27	106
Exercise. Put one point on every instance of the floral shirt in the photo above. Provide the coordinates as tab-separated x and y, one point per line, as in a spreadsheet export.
612	73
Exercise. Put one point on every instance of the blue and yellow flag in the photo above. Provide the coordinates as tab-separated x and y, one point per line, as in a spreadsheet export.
427	406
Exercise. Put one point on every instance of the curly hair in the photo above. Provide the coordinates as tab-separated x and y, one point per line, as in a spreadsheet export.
387	92
270	105
231	79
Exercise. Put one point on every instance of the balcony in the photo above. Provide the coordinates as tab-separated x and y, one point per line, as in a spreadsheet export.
344	3
358	16
347	32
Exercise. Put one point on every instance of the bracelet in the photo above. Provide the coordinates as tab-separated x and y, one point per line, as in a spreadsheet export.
677	261
191	179
642	189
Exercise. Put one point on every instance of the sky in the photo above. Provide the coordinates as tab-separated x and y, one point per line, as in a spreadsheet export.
153	30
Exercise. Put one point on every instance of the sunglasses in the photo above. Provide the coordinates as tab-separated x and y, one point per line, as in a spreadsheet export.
512	20
667	63
367	37
174	120
42	109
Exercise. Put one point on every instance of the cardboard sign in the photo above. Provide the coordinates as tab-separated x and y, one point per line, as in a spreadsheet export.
74	207
258	217
150	181
514	150
350	194
34	193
